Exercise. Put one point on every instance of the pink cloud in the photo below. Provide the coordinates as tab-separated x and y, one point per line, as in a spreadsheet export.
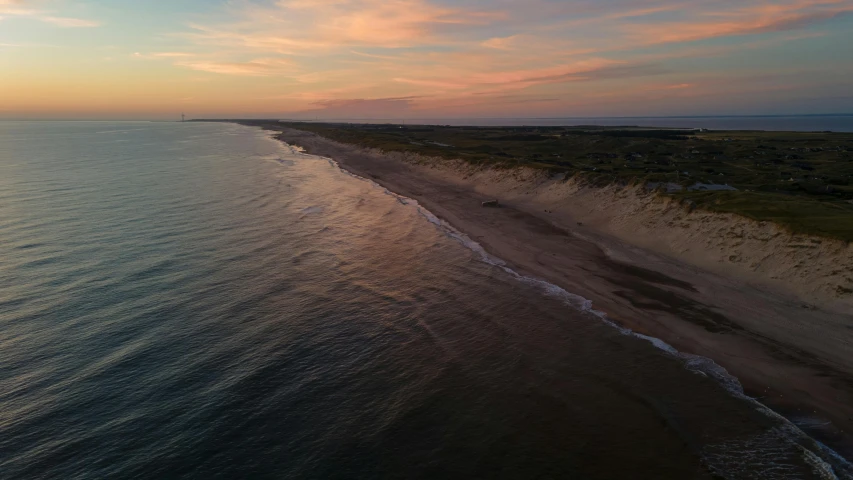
255	68
747	20
24	9
68	22
298	26
360	107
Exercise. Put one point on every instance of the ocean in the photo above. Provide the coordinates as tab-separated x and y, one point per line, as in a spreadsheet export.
200	301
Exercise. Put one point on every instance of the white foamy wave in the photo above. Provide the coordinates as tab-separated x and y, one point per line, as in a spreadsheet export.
770	455
660	344
429	216
312	210
445	227
575	301
465	240
294	149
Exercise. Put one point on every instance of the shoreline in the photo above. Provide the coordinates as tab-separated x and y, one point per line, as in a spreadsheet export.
694	311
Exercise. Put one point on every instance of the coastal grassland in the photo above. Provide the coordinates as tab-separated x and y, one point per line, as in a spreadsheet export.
799	180
797	213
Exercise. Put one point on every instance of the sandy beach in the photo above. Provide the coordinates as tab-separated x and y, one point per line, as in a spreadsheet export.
789	350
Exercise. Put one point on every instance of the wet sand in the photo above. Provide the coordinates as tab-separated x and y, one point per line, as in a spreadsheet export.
763	337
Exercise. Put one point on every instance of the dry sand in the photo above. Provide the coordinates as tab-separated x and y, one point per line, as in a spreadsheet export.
771	308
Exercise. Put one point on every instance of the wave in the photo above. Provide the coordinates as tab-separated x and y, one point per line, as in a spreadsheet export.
312	210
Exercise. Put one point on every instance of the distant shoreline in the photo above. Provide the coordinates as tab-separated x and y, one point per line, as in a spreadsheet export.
750	329
840	122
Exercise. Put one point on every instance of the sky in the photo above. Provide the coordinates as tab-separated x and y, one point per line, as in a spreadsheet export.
156	59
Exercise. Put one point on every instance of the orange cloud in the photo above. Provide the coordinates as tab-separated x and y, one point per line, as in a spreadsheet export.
69	22
17	8
299	26
263	67
748	20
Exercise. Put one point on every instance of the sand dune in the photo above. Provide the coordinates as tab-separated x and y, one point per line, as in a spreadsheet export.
817	270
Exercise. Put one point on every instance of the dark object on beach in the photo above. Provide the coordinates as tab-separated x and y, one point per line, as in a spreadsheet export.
492	204
580	224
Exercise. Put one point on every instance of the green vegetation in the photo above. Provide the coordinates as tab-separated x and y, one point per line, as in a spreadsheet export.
803	181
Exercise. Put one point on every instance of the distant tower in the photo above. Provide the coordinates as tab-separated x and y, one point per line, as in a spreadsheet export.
183	118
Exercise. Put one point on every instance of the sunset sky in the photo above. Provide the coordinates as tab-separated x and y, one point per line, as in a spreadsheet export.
153	59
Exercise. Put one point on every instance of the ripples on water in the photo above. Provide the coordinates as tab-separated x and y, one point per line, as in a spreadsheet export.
199	301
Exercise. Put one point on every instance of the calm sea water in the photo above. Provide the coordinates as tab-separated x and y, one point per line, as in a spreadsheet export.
200	301
789	123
